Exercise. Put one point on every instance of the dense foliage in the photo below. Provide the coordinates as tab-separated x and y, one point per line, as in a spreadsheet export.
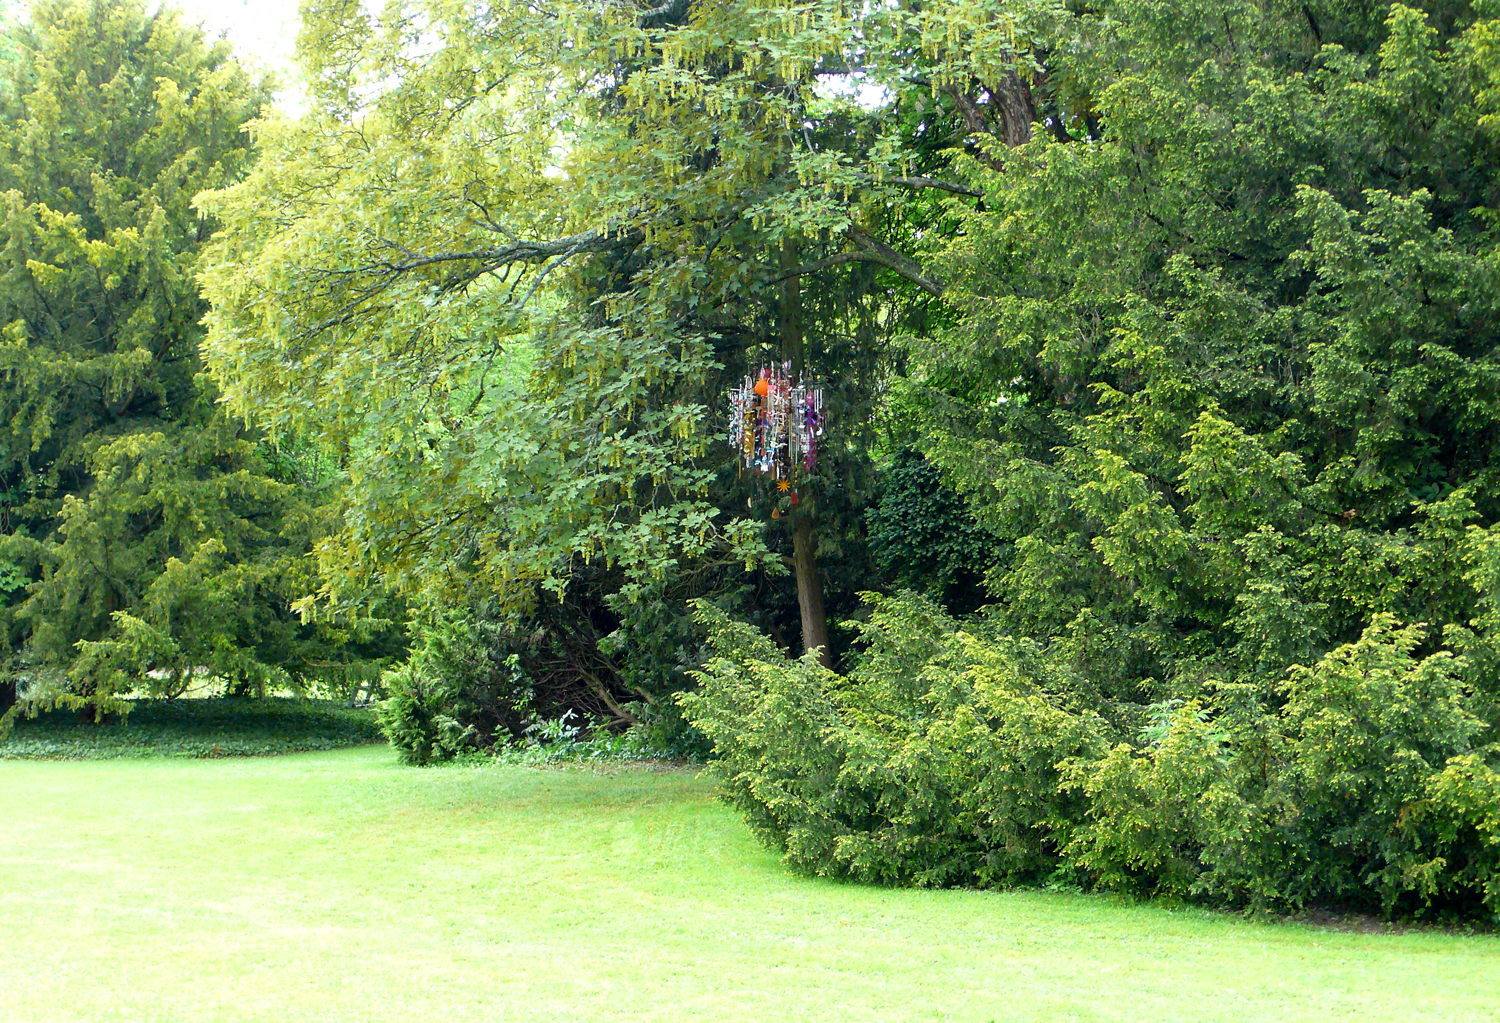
952	756
467	691
461	689
1222	376
924	538
512	272
1157	339
1220	381
507	279
144	536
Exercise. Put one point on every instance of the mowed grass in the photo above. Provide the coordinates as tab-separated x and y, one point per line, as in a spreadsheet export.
341	886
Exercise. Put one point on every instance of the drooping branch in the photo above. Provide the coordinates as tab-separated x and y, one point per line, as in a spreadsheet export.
888	257
520	251
366	283
870	250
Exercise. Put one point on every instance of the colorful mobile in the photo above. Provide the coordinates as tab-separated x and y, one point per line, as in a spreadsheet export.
774	425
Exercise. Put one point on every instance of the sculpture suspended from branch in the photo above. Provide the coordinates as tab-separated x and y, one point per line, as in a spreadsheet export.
774	425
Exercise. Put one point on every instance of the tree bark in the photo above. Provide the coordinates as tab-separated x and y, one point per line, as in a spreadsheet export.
804	542
1010	98
1017	109
810	589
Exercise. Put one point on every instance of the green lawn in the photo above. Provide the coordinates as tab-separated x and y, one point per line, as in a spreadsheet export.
341	886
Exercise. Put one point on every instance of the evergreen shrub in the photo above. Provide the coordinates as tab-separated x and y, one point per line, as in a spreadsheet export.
193	728
952	755
459	690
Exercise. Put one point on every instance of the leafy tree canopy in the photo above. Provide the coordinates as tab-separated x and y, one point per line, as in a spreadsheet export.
513	259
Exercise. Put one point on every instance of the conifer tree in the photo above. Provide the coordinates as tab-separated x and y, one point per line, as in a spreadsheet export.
143	531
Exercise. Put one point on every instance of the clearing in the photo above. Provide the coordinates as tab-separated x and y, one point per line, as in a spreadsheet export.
341	886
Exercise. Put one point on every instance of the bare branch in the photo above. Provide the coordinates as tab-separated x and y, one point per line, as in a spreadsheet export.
923	182
822	264
556	262
946	186
891	259
869	251
672	9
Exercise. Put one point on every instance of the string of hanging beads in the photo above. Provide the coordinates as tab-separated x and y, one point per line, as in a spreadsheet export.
775	424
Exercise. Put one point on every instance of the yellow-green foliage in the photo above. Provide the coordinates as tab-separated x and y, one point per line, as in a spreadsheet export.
948	756
142	529
934	761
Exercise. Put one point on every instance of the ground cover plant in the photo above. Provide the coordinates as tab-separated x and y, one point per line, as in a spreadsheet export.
343	886
220	727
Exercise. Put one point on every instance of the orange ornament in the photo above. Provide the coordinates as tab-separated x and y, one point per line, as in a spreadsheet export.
762	387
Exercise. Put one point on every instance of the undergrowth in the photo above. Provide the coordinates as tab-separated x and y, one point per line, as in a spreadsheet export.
194	728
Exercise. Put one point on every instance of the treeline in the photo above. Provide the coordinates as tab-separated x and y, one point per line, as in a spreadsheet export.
1156	346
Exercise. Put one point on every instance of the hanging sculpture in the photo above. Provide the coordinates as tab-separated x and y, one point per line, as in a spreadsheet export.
774	425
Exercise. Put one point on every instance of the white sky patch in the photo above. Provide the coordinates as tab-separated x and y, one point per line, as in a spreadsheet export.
263	34
866	94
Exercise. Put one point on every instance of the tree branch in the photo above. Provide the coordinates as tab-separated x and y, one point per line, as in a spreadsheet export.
821	264
592	240
891	259
946	186
869	251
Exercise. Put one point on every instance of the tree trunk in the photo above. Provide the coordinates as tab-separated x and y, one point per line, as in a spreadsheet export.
1017	109
804	543
1010	98
810	589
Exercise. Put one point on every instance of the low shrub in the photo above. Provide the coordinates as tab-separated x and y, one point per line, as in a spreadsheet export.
465	694
460	690
948	755
934	761
572	739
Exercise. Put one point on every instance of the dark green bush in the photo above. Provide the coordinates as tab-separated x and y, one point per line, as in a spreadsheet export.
948	756
924	538
460	690
935	761
219	727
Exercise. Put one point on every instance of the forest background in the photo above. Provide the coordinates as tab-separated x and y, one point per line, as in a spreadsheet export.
1151	545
